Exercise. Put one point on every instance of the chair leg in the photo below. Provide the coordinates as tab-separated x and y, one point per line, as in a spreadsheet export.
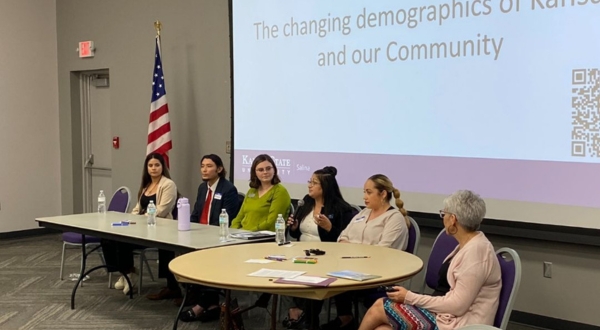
278	317
328	309
148	268
141	272
110	280
356	312
101	256
81	267
62	260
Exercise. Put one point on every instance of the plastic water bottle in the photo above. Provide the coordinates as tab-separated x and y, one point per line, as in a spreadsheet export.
223	226
280	229
183	214
151	214
101	202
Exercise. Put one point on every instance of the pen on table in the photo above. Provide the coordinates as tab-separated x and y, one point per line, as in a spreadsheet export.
284	243
356	257
275	258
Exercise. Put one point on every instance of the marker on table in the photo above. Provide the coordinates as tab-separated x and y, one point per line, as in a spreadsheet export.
356	257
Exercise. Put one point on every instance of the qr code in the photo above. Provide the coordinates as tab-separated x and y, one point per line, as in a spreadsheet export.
585	112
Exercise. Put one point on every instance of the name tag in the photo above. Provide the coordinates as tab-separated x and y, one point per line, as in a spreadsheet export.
251	195
360	219
218	196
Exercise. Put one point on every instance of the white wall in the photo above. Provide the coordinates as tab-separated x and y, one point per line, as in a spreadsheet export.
30	162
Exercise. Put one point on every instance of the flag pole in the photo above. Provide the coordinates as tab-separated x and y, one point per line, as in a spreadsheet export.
157	26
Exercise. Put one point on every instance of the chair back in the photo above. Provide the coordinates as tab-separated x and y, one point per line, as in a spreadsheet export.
414	236
442	246
120	200
241	197
357	208
175	212
510	265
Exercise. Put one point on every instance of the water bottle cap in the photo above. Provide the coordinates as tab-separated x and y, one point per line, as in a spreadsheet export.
101	191
183	200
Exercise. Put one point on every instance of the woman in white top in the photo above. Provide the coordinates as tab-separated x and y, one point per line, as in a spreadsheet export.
322	218
378	224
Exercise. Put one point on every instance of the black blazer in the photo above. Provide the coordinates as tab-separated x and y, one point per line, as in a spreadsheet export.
228	201
339	221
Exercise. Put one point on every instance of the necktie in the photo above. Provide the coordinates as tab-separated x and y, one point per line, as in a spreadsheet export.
205	209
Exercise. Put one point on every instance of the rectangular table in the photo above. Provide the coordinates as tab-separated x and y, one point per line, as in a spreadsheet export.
164	235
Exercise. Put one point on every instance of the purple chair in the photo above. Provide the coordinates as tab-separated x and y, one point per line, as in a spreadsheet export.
118	203
442	246
414	237
510	265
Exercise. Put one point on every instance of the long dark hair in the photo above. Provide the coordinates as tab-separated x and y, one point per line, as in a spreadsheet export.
218	161
254	181
333	202
146	179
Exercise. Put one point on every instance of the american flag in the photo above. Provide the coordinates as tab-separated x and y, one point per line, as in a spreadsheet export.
159	128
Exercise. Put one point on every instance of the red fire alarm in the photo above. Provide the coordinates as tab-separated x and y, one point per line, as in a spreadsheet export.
86	49
116	142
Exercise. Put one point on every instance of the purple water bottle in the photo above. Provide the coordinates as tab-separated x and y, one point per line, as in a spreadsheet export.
183	214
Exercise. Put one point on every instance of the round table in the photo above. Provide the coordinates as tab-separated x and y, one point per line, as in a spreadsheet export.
225	267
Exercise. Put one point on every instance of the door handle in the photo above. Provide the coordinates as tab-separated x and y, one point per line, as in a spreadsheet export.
90	161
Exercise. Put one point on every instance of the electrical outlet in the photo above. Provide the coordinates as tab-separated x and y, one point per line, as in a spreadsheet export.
228	147
547	269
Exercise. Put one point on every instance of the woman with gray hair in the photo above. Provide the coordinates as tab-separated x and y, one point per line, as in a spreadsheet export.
472	272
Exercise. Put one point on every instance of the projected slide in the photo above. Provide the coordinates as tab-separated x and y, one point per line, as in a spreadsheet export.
498	96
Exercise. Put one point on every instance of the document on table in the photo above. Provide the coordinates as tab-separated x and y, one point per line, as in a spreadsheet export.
310	279
307	280
276	273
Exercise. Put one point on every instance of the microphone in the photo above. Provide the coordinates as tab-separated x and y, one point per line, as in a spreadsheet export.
300	204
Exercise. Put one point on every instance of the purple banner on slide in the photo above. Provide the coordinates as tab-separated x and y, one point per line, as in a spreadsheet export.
564	183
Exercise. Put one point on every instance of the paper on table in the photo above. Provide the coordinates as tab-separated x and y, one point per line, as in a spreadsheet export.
309	279
267	232
265	272
259	261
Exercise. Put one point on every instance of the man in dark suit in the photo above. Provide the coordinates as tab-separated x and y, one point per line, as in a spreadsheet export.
216	191
214	194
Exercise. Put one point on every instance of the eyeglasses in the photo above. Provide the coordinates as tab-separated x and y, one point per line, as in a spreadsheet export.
264	169
312	183
443	213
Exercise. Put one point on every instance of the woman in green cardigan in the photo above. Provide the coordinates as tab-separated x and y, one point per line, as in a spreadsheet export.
265	200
